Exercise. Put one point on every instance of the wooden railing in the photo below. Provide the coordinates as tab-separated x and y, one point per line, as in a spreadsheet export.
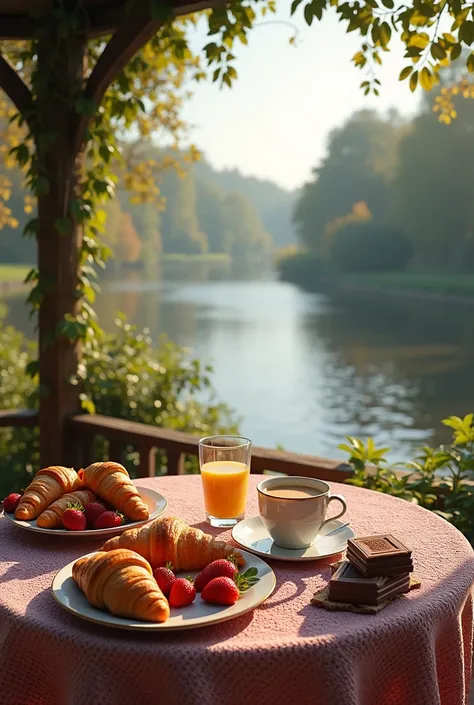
83	429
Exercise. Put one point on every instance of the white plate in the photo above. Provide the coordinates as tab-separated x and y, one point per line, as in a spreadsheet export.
155	502
252	534
199	614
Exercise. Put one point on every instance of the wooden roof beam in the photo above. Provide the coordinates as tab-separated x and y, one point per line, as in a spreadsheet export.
14	87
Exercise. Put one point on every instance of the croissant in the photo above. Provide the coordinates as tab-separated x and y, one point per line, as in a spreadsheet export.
122	582
112	482
171	539
51	517
48	485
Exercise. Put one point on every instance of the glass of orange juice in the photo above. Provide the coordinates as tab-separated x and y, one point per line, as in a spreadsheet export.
225	468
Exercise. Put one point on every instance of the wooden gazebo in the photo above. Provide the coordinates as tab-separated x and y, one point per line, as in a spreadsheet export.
65	433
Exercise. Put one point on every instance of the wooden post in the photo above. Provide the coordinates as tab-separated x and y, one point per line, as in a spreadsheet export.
59	240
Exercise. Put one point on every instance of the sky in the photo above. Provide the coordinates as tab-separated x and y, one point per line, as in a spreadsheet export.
275	120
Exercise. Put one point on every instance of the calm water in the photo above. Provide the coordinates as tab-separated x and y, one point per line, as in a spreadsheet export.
303	370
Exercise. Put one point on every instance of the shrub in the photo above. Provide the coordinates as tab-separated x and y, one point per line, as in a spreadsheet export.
301	267
439	479
123	376
367	247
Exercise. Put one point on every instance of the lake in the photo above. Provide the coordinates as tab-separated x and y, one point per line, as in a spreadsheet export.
303	370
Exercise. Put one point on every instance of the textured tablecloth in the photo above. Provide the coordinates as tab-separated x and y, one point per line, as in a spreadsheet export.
417	651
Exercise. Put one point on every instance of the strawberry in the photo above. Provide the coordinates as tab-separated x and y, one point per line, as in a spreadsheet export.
108	520
74	518
165	578
93	511
220	568
226	591
182	593
11	502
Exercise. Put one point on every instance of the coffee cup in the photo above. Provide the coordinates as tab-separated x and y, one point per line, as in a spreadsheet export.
294	509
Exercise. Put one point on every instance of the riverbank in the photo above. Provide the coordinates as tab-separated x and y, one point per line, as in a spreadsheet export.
312	274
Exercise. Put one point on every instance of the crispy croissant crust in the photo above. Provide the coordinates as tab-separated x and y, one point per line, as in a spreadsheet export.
112	482
122	582
171	539
51	517
46	487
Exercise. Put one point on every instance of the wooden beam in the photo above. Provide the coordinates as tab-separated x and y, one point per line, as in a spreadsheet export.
133	32
14	87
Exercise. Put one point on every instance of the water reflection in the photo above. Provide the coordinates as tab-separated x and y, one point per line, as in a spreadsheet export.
303	370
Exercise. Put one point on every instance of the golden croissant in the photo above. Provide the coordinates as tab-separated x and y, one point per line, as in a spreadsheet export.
51	517
122	582
112	483
48	485
172	540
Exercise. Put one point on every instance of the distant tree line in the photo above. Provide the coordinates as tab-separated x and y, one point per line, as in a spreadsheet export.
391	193
199	210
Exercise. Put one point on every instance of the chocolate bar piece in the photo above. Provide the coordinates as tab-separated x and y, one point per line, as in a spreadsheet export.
380	568
382	554
348	585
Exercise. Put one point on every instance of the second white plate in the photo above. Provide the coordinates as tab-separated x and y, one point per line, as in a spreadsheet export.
155	502
253	535
199	614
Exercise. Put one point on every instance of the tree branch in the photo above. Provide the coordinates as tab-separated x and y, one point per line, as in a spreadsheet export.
14	87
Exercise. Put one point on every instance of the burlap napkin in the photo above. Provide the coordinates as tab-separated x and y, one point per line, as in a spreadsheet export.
321	599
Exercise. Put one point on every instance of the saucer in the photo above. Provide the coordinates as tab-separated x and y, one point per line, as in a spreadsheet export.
253	535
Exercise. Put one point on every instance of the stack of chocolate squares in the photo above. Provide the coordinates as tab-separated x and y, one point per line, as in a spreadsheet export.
378	568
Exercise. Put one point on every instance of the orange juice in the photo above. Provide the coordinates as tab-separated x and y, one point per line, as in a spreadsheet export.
225	485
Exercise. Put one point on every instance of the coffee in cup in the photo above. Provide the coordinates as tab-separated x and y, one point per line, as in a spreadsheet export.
294	509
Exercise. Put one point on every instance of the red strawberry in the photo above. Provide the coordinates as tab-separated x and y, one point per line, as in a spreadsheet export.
182	593
108	520
11	502
165	577
226	591
93	511
220	568
74	519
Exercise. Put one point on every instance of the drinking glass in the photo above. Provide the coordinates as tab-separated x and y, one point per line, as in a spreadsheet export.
225	468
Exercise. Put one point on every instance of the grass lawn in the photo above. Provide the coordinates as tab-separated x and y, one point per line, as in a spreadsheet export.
455	284
13	272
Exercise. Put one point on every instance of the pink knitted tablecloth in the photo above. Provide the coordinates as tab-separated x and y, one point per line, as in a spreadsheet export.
417	651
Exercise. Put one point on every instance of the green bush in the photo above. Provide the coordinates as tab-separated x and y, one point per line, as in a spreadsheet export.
368	247
439	479
302	267
123	376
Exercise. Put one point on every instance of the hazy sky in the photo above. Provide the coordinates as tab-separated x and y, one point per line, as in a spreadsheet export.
275	120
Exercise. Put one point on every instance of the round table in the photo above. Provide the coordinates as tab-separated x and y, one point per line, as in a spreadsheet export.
417	651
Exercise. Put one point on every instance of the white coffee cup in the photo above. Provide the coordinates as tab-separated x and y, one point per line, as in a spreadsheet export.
294	522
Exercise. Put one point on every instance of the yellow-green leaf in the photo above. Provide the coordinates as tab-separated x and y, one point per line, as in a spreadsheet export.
385	33
426	79
413	81
470	63
456	52
404	73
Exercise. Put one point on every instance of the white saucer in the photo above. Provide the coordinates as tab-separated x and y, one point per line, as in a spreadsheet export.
252	534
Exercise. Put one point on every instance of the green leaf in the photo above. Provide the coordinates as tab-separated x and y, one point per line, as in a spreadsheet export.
404	73
32	226
385	34
413	81
470	63
32	368
438	52
294	6
40	186
63	226
388	3
308	14
456	52
466	32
